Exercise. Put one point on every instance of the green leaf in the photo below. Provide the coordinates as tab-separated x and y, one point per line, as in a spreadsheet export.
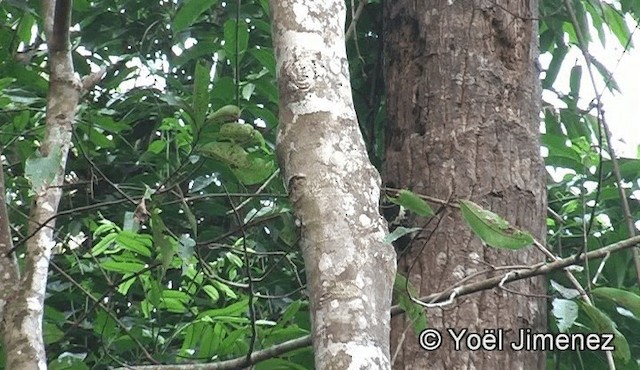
137	243
224	288
412	202
594	8
612	85
122	267
6	82
51	333
554	66
616	23
266	58
398	233
493	229
212	292
189	13
626	299
581	17
414	311
235	309
104	244
603	324
157	146
233	35
259	170
201	93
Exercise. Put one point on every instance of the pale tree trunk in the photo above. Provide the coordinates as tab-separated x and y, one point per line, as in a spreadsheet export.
334	188
463	105
22	295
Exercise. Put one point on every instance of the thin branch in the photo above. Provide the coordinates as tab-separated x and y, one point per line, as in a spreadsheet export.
582	44
106	310
520	274
354	18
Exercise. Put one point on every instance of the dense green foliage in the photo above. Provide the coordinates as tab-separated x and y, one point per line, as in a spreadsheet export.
177	243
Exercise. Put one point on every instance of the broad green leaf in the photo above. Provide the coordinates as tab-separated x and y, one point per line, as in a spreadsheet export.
581	17
210	339
290	312
189	13
105	227
594	8
258	171
201	93
266	58
412	202
224	90
173	305
493	229
137	243
212	292
398	233
104	244
603	324
554	66
224	288
612	85
25	26
616	23
5	82
105	325
414	311
236	39
235	309
626	299
122	267
51	333
157	146
126	284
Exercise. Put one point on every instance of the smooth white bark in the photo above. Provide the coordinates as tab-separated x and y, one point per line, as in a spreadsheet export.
333	186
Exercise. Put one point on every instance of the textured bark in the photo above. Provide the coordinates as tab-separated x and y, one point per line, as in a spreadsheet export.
334	188
463	121
22	316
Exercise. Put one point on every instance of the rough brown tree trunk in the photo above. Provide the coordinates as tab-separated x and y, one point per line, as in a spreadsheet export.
333	187
463	122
